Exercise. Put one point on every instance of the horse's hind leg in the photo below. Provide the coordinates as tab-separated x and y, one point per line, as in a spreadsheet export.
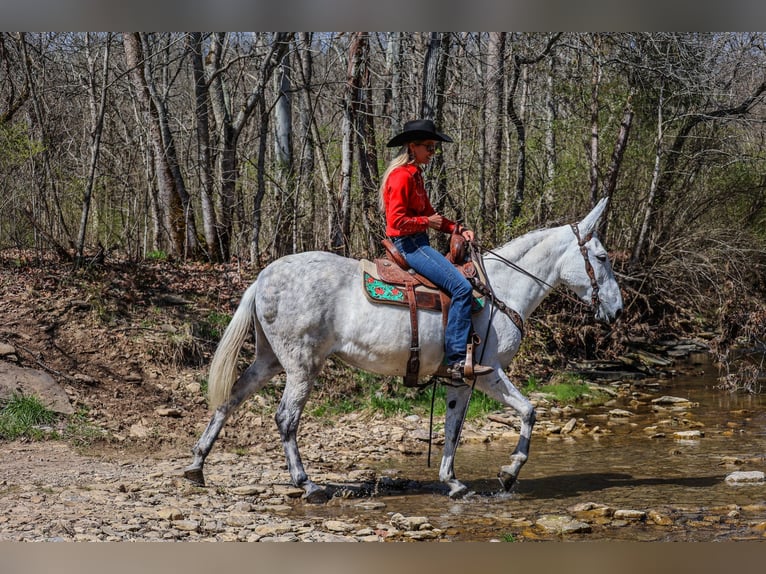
287	418
457	405
250	382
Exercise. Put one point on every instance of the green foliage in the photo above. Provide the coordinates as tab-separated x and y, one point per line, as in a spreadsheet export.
157	255
565	389
213	326
16	145
381	395
509	537
22	416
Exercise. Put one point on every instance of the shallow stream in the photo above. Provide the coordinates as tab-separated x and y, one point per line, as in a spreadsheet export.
634	466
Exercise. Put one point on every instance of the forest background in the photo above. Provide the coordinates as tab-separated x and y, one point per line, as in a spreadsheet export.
239	148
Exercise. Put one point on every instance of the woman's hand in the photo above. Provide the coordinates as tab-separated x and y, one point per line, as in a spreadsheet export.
467	234
435	221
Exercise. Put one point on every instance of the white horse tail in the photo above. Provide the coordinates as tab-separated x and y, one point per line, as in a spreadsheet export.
223	367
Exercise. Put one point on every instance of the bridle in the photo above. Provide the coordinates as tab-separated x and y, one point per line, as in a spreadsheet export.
486	290
595	301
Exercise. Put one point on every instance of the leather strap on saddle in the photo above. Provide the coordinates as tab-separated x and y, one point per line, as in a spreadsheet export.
468	368
413	362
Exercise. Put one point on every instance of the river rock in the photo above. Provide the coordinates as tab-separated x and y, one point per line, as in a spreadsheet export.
338	526
629	514
561	525
410	522
249	489
688	435
672	401
590	510
746	477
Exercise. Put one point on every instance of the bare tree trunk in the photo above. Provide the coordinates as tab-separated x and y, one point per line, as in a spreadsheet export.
610	182
432	107
286	235
494	132
98	109
365	132
394	67
640	242
305	114
172	236
595	81
340	237
201	97
551	117
180	202
260	190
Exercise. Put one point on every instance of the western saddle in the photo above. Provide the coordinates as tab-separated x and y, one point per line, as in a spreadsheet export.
391	280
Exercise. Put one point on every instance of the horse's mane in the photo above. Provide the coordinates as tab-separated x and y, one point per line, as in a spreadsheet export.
517	247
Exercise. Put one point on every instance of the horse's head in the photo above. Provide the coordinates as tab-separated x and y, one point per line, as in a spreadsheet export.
588	269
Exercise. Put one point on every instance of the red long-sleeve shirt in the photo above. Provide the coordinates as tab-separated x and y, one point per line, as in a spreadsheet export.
407	203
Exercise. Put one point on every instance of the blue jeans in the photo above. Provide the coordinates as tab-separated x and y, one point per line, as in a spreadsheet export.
434	266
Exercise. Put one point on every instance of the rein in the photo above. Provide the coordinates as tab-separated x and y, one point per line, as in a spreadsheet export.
486	290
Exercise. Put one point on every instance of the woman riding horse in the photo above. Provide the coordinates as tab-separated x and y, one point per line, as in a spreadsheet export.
409	215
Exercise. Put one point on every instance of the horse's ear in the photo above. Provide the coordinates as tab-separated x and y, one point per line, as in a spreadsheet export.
590	222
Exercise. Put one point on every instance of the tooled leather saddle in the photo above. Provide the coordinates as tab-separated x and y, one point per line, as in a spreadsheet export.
390	280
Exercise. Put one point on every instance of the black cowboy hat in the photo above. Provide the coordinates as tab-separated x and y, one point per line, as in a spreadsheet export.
418	130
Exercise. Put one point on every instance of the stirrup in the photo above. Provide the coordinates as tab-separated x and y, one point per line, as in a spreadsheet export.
460	370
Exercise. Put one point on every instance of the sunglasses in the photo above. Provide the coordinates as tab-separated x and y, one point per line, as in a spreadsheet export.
431	148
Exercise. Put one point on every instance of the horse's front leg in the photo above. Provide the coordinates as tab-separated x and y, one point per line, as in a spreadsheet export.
503	390
457	405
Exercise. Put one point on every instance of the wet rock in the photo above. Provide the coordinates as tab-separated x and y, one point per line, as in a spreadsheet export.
561	525
410	522
590	510
688	435
659	518
569	427
338	526
746	477
629	514
620	413
370	505
672	401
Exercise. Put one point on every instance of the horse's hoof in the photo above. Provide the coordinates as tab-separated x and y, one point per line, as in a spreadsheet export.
315	494
457	490
506	479
194	474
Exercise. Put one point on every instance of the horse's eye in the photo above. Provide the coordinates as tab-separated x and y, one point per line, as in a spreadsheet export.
601	257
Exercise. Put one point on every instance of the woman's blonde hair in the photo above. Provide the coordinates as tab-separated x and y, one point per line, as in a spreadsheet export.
403	158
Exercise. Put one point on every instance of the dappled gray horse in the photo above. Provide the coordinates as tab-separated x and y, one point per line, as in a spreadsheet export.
306	307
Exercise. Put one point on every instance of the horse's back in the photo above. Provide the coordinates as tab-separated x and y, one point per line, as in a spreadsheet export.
305	287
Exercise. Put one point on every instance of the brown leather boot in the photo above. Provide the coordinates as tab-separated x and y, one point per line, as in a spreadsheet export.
459	371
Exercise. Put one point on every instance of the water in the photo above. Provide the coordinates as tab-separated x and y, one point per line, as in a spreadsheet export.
626	469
